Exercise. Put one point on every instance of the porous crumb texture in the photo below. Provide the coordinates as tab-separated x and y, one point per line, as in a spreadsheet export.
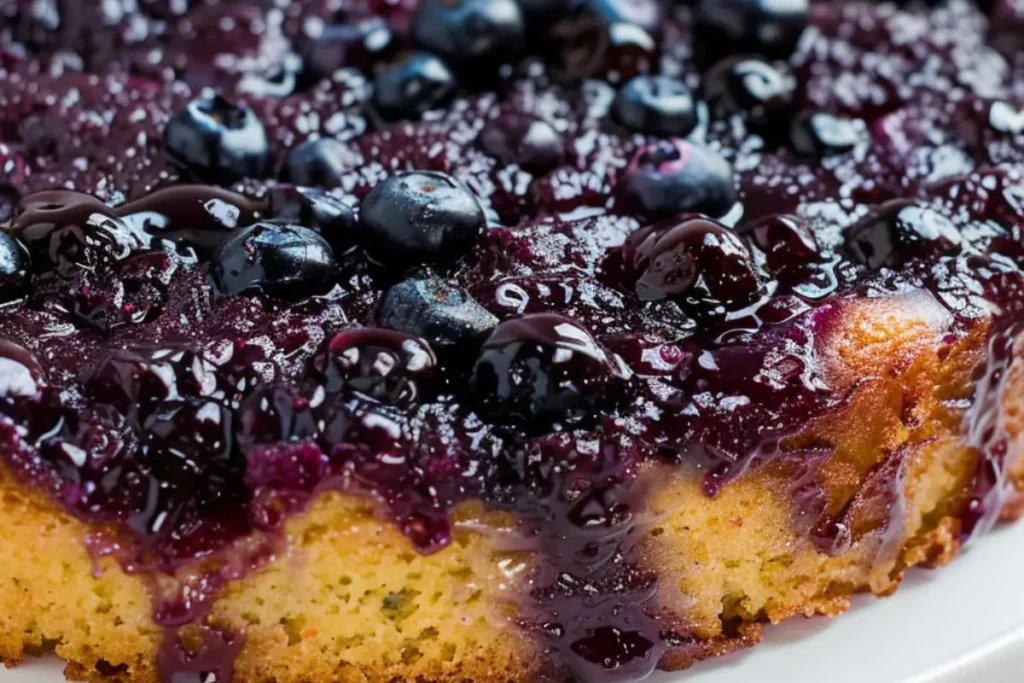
497	341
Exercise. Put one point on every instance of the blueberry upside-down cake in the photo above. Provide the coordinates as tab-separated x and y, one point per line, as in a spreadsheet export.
495	340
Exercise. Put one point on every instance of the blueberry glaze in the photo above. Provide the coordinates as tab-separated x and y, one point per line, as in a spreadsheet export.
885	185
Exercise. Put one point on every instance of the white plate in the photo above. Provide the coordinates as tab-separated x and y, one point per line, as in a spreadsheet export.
961	624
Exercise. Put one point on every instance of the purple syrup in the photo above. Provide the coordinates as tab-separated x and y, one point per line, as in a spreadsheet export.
141	397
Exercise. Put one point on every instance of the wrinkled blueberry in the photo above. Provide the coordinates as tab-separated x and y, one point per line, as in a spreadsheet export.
671	177
819	134
327	47
69	231
656	105
415	85
282	260
584	44
899	230
319	163
440	313
218	140
542	370
388	366
419	217
770	28
332	218
470	33
760	91
20	373
14	268
694	260
526	141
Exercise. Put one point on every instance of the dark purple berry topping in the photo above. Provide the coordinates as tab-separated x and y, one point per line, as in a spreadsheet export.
815	135
331	218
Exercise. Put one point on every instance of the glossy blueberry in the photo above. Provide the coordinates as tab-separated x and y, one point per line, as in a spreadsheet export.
543	370
67	232
14	268
438	312
898	231
526	141
282	260
419	217
694	260
415	85
387	366
470	33
321	162
816	135
647	14
218	141
656	105
672	177
750	86
327	47
770	28
332	218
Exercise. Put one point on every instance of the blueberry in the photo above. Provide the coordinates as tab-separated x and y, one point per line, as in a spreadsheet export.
898	231
816	135
473	34
544	370
328	47
218	141
321	162
387	366
587	44
282	260
770	28
696	261
785	240
750	86
419	217
524	140
413	86
647	14
440	313
68	232
332	218
673	177
14	268
656	105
